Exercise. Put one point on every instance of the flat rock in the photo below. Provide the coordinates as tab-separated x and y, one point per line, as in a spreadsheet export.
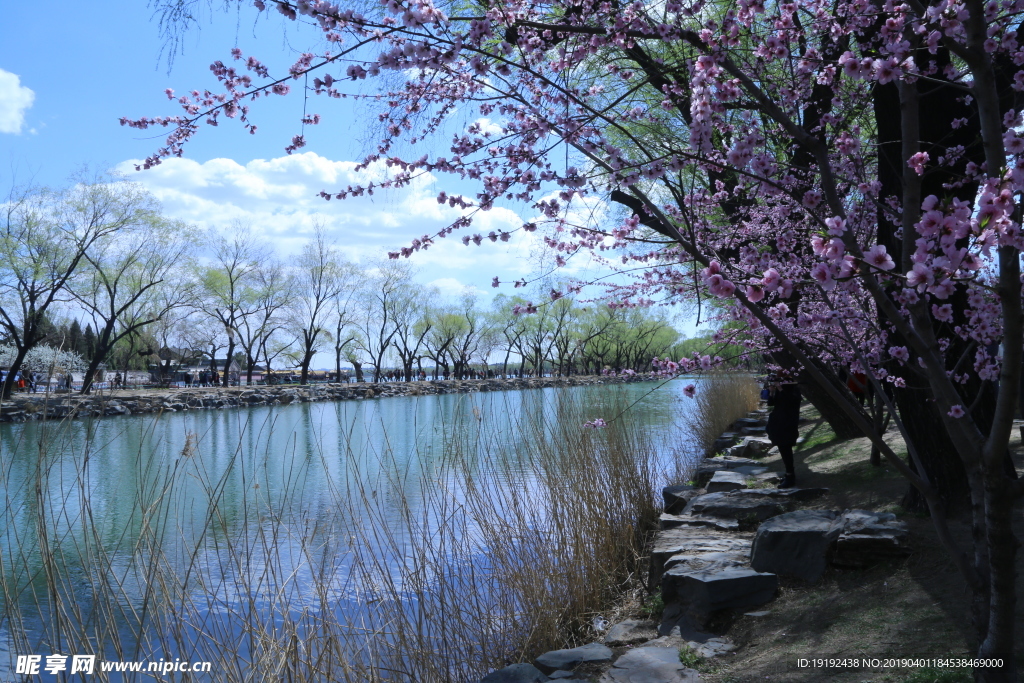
667	521
707	467
708	561
867	537
750	504
727	480
630	632
568	660
650	665
686	544
739	424
795	544
756	446
676	497
517	673
712	647
702	592
746	505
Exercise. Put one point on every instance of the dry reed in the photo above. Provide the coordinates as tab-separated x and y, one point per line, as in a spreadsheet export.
721	399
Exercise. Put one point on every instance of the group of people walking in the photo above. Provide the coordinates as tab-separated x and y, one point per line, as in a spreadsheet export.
32	382
206	378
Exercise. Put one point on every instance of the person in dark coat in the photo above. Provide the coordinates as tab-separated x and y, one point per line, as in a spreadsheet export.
782	425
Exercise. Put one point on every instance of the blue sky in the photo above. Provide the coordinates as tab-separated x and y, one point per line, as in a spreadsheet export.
70	70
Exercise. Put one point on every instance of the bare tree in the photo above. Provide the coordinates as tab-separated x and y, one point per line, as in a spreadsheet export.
229	284
319	277
377	318
411	324
132	281
271	294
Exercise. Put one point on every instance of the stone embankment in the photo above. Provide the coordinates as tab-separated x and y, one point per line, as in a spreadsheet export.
24	407
725	540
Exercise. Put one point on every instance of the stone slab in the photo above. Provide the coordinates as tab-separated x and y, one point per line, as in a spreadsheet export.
866	538
630	632
667	521
796	544
703	592
650	665
569	659
727	480
676	497
517	673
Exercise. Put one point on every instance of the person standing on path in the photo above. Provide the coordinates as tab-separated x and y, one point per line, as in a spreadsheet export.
782	425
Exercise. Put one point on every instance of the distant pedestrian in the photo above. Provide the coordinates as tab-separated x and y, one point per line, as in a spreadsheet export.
782	425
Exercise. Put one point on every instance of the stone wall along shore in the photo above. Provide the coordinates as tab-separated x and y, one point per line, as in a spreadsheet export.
26	407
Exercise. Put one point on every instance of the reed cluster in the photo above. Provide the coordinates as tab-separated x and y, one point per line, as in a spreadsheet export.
721	399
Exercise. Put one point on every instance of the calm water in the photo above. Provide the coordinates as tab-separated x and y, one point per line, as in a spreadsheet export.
207	488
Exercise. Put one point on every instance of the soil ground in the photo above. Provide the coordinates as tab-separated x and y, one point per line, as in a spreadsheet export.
912	608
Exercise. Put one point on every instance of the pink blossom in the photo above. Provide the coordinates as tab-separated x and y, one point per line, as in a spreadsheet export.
942	290
836	226
879	258
920	275
811	199
690	390
956	411
835	249
943	313
900	353
918	161
771	280
755	293
823	276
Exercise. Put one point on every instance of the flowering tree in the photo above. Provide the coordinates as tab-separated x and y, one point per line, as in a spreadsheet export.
741	137
45	360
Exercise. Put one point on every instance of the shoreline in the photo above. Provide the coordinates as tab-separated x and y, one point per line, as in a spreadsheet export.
36	407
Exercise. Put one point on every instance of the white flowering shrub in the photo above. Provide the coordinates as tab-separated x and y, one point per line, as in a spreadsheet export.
44	359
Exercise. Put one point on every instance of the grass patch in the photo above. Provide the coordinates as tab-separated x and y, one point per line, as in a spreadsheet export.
930	675
690	658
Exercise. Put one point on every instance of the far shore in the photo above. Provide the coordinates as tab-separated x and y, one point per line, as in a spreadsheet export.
23	407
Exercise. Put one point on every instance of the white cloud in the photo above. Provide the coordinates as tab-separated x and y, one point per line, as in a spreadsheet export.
279	199
15	99
452	288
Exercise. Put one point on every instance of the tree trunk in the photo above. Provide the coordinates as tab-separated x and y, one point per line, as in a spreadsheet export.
103	347
226	380
8	385
997	638
941	460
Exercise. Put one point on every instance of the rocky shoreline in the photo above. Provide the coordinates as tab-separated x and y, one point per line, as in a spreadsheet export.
724	541
27	407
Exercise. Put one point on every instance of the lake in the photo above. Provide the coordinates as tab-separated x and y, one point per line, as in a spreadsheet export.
205	535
